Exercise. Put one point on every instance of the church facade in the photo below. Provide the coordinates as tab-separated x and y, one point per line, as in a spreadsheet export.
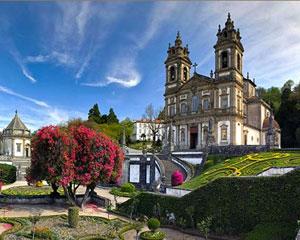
15	149
220	109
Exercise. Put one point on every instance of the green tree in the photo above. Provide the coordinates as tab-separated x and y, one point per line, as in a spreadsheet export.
271	96
112	117
104	118
94	114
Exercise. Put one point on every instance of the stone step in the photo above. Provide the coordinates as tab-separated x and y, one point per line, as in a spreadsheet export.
171	167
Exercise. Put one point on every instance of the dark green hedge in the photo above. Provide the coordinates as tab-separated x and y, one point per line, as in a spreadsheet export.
7	173
237	204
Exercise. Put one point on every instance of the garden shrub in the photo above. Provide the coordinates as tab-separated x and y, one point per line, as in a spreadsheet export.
7	173
153	224
149	235
73	216
42	232
237	205
128	187
176	178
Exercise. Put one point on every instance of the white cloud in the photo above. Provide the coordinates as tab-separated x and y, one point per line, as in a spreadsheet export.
22	65
12	93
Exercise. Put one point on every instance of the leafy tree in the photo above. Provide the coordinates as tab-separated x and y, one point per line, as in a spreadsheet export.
104	118
271	96
112	117
94	114
74	157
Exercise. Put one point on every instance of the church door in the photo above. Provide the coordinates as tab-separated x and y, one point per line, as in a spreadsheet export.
193	137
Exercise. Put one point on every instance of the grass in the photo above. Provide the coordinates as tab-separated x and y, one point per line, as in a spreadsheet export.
117	191
29	191
248	165
140	145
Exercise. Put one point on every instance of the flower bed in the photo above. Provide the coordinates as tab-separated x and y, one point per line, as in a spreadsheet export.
56	227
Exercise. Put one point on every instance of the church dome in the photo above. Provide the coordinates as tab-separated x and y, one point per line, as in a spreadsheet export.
16	127
267	121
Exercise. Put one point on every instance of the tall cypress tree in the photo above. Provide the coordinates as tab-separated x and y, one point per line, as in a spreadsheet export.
94	114
112	117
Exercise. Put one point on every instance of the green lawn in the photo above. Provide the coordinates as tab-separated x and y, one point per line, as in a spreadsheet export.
248	165
30	191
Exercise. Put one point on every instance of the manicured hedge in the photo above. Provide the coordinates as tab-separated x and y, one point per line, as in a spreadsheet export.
7	173
236	205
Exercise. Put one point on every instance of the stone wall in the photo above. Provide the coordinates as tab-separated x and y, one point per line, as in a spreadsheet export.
236	150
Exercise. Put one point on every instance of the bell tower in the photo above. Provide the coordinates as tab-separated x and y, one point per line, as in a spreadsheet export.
178	64
229	53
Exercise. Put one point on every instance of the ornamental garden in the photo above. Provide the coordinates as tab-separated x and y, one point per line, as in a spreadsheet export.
62	199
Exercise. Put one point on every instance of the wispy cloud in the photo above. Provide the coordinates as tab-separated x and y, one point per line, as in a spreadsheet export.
12	93
124	68
55	57
22	65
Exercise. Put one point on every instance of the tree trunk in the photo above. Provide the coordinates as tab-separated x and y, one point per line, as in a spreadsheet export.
54	188
86	194
67	194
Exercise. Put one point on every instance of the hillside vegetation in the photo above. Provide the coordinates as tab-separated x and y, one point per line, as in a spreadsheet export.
248	165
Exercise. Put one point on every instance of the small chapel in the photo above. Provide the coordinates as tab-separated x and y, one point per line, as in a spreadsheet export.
220	109
15	143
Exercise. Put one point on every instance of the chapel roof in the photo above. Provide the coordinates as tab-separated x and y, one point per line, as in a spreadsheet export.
267	121
16	124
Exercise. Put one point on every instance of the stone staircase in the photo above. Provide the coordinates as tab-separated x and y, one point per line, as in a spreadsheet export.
170	167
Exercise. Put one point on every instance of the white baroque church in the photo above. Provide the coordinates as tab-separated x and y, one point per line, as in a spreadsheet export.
15	143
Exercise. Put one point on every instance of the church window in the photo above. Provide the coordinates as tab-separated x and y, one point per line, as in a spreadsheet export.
185	74
239	62
224	133
224	59
225	34
18	147
195	103
224	102
182	135
206	104
172	110
183	108
172	73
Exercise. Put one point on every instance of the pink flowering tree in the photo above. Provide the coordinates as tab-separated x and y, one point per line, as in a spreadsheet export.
86	159
176	178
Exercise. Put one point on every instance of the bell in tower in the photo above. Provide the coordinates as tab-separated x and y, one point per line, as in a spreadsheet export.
229	53
177	64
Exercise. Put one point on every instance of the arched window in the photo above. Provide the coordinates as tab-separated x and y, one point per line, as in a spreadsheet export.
225	34
239	62
185	74
172	73
195	103
182	135
183	108
224	59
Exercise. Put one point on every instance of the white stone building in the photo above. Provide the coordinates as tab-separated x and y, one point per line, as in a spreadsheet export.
15	143
144	126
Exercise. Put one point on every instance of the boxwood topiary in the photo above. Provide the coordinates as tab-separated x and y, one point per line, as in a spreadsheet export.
128	187
73	216
153	224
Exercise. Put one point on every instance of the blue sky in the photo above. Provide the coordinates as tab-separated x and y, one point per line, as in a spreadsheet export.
59	58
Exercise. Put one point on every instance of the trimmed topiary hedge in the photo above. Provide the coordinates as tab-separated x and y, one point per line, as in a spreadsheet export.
7	173
73	216
236	205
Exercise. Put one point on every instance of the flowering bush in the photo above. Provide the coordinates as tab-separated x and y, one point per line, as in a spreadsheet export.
176	178
73	157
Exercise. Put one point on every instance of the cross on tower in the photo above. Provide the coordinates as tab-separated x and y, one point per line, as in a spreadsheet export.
195	67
